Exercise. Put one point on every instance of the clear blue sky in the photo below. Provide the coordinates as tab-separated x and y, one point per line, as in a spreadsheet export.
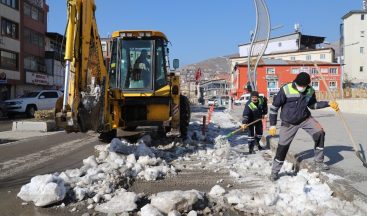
200	29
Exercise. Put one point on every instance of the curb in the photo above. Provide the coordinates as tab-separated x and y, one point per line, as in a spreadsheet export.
341	188
42	126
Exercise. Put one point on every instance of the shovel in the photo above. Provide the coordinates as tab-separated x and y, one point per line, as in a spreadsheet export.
345	124
233	132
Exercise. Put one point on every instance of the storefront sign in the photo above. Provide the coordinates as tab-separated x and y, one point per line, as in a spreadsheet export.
273	90
271	77
3	79
39	79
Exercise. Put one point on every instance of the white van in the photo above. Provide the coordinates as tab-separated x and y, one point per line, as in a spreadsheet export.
244	98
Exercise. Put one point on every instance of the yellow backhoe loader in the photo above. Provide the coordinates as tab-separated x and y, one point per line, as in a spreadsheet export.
135	89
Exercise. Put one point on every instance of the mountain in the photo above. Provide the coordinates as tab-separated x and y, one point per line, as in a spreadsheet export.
213	68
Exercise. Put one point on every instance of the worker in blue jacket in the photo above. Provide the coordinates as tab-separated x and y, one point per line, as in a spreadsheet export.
256	108
295	99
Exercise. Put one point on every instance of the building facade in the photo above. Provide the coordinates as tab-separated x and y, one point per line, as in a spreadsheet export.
34	75
354	46
274	73
10	48
54	58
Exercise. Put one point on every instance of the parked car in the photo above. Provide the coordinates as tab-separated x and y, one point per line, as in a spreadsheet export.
218	101
3	110
244	98
213	101
33	101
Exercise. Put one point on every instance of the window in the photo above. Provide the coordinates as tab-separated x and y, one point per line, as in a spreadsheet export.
104	46
9	28
270	70
333	71
8	60
10	3
332	85
315	85
322	56
361	69
362	16
293	58
279	44
49	95
34	63
361	50
34	12
34	38
314	71
295	70
27	9
308	57
362	33
272	84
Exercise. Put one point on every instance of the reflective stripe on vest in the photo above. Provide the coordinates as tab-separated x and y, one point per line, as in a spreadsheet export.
253	106
291	92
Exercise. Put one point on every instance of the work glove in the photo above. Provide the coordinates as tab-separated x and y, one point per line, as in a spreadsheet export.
272	130
334	105
244	126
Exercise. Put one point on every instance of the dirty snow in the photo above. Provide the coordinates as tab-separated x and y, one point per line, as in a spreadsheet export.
103	180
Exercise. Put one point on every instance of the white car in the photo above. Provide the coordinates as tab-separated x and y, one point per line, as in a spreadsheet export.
244	98
33	101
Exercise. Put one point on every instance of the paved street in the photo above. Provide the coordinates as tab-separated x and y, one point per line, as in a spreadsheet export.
338	148
21	160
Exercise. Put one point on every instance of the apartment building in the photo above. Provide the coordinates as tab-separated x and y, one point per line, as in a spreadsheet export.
10	47
353	45
34	75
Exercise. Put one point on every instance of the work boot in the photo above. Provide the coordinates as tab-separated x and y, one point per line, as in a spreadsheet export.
259	146
251	149
320	166
273	176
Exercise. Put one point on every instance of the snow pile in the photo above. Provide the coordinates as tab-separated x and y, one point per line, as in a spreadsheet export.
43	190
182	201
100	178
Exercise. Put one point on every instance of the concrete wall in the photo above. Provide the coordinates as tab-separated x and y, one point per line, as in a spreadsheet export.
356	106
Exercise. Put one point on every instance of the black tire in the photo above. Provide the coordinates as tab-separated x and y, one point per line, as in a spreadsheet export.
185	114
107	136
2	113
30	111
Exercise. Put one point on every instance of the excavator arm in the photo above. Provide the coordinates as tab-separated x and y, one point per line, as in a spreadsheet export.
84	105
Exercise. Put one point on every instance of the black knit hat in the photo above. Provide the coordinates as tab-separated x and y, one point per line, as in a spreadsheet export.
254	93
303	79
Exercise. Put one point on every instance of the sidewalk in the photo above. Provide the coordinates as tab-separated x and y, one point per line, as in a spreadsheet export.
339	154
13	136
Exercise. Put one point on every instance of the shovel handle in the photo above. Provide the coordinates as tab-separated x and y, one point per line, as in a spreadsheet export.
239	129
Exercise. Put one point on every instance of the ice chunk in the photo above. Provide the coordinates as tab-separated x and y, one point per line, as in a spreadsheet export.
143	150
217	190
43	190
149	210
123	202
119	146
181	201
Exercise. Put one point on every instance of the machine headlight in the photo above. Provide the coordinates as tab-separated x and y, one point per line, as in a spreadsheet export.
18	102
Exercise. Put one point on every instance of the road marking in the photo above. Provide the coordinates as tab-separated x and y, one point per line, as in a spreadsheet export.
19	164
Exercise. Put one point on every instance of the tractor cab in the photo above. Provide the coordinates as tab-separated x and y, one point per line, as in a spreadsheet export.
139	61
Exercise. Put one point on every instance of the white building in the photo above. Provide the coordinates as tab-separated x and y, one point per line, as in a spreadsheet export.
292	47
354	46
